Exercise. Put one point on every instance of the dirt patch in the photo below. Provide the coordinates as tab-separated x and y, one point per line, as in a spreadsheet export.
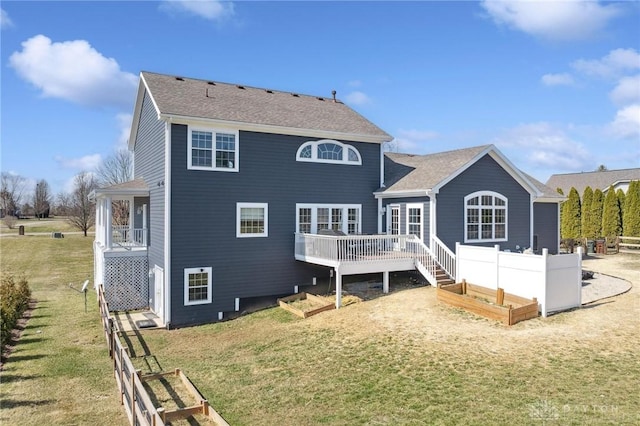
415	314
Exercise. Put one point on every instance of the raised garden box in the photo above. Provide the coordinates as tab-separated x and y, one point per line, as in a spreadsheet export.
305	305
495	304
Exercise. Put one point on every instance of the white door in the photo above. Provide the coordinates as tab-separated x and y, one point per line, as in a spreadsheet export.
393	227
158	297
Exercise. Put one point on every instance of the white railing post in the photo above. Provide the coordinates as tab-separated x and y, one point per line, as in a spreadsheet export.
107	222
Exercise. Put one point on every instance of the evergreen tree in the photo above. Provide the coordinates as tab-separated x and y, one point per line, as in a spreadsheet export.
611	226
595	213
621	198
587	197
570	220
631	217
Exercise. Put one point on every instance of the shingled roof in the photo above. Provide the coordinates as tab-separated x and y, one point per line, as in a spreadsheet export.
407	173
596	180
267	110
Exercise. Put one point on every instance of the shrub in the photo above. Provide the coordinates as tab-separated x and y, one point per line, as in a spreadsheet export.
14	300
10	221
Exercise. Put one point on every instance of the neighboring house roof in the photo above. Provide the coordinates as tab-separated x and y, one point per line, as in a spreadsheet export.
596	180
413	175
131	188
251	108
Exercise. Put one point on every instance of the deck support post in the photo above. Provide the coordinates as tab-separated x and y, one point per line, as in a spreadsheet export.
385	282
338	289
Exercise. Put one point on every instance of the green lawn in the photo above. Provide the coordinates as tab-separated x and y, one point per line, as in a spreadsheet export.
60	371
355	366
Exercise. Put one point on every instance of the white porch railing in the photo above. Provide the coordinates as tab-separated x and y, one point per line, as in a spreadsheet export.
329	250
444	256
125	236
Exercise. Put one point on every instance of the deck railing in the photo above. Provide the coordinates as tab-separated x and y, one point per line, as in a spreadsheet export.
332	250
125	236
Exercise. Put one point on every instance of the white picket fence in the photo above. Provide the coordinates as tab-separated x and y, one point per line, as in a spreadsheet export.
555	280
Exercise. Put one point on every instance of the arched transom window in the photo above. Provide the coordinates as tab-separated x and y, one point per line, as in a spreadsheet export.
485	217
328	151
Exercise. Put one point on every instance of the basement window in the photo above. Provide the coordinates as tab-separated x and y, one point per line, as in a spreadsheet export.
197	286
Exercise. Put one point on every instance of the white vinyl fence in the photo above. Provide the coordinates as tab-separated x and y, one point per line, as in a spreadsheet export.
555	280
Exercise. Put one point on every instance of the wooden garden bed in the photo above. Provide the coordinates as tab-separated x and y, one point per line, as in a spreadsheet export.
494	304
304	305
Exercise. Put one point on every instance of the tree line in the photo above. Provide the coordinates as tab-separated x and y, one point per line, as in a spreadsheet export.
16	201
596	215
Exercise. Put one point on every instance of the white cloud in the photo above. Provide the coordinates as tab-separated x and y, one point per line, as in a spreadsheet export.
555	20
546	146
74	71
357	98
211	10
615	63
627	91
563	79
413	141
626	125
86	163
5	21
124	124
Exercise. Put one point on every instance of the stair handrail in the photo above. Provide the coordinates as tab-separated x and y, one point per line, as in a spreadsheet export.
444	257
424	259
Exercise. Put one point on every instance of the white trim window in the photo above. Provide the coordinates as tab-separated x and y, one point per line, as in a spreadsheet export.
252	220
414	219
485	217
328	151
311	218
210	149
197	286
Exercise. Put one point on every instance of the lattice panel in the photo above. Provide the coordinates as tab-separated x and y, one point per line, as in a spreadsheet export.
126	282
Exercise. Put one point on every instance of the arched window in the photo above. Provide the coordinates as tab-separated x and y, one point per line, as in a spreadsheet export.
328	151
485	218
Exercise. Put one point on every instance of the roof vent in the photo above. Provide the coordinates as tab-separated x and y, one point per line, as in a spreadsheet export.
268	91
320	99
295	95
333	93
179	78
211	83
240	87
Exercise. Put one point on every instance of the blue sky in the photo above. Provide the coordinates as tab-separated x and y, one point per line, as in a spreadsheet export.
554	85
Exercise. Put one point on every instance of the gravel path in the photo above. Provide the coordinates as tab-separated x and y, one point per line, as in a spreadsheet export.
603	286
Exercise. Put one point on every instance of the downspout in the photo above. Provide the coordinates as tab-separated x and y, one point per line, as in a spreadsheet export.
380	211
531	198
167	222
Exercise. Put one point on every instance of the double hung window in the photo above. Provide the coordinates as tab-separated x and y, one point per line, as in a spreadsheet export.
197	286
311	218
210	149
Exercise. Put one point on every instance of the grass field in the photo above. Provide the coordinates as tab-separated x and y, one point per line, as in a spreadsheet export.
47	225
399	359
60	371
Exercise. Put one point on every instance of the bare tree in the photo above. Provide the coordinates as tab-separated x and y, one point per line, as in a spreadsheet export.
12	189
62	206
115	169
82	214
42	199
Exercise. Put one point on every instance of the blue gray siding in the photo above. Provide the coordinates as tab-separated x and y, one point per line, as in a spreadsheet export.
484	175
402	202
545	226
149	164
203	217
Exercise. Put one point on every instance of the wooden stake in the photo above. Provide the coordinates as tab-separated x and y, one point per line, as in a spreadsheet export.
500	296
